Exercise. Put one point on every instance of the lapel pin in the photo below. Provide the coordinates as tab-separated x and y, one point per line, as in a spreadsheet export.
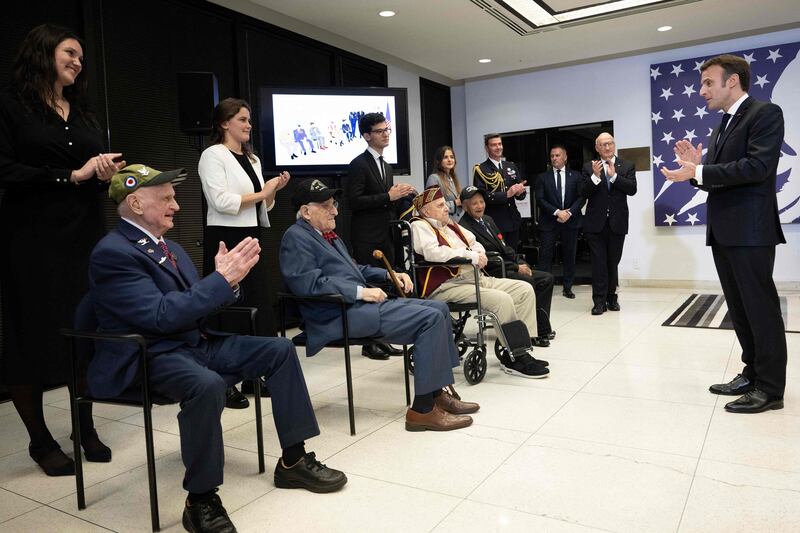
160	261
150	250
142	241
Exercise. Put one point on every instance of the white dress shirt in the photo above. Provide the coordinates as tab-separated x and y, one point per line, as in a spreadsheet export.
611	179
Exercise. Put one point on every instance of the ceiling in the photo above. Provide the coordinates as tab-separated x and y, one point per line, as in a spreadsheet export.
447	37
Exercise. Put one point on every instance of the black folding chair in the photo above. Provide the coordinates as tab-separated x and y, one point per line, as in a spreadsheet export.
81	350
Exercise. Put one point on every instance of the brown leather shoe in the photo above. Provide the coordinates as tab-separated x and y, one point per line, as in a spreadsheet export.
437	420
454	406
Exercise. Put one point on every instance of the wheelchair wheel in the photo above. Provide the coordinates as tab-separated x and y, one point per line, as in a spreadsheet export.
475	366
411	360
500	351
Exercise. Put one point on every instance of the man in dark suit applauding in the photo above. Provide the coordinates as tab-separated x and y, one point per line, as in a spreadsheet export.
473	200
373	201
606	183
503	185
743	227
142	282
560	214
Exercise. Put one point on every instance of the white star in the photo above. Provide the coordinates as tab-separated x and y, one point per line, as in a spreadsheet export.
668	138
762	80
697	65
749	58
678	114
676	69
655	73
676	159
657	161
688	90
656	117
692	218
666	93
710	131
689	135
701	112
774	55
670	220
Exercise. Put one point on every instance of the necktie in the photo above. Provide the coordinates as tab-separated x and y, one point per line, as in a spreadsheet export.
330	236
380	164
483	225
559	189
168	254
725	119
610	164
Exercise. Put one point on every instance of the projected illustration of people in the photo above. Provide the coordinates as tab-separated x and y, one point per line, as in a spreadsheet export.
300	136
317	137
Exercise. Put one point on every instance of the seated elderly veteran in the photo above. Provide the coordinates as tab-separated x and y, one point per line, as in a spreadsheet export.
314	262
437	239
141	282
473	201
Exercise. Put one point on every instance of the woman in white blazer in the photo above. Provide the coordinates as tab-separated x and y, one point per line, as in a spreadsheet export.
238	200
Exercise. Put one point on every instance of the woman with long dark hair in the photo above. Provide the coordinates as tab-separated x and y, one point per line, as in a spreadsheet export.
238	200
444	176
52	167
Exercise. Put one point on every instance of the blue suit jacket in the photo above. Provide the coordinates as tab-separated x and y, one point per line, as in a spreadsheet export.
312	267
134	288
548	199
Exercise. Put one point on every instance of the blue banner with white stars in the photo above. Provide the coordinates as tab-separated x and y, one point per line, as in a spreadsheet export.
679	112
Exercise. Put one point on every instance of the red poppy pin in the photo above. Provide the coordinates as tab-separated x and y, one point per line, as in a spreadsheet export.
500	236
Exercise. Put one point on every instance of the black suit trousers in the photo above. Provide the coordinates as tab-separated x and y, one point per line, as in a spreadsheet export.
547	246
542	283
746	276
606	250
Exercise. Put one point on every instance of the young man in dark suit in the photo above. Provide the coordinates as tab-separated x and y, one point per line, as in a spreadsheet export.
503	185
743	227
140	281
606	183
560	206
372	199
473	200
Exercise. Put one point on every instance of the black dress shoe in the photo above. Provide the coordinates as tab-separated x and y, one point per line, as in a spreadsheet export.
247	387
541	342
207	516
309	474
388	349
235	399
371	351
735	387
613	306
93	448
568	294
551	335
755	401
598	309
52	459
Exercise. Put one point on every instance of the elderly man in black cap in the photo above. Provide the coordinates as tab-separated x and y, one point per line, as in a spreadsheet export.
473	201
142	282
314	262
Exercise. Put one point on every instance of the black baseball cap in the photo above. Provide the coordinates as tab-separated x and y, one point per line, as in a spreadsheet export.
469	192
312	190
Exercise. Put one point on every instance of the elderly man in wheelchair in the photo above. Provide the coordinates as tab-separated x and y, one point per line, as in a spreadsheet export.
509	304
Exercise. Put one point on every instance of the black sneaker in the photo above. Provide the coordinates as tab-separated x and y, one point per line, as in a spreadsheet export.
524	366
207	516
309	474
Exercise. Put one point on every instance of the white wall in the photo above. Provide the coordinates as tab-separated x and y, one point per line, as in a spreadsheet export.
617	90
398	77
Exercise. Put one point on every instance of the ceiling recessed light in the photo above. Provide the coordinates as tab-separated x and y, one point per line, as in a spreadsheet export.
664	28
485	60
386	13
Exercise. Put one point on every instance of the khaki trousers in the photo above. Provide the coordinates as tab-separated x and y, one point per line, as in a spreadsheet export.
508	299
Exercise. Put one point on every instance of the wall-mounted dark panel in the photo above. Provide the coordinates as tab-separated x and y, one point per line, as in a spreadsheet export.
437	127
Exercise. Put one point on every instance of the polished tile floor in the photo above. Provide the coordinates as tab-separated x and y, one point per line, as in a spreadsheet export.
623	436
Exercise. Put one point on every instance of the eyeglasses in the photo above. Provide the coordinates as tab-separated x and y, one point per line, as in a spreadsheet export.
606	144
382	131
327	207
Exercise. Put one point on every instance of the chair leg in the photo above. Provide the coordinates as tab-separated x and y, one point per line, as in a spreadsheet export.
405	374
151	467
349	376
76	448
259	429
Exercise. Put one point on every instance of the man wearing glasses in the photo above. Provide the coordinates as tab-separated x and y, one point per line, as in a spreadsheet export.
606	183
372	199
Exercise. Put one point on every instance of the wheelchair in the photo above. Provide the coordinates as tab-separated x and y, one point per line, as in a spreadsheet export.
511	339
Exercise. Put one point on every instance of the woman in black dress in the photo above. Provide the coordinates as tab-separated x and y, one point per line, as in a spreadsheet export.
238	201
51	169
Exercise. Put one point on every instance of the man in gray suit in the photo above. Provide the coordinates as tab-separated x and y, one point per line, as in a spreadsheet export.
314	262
